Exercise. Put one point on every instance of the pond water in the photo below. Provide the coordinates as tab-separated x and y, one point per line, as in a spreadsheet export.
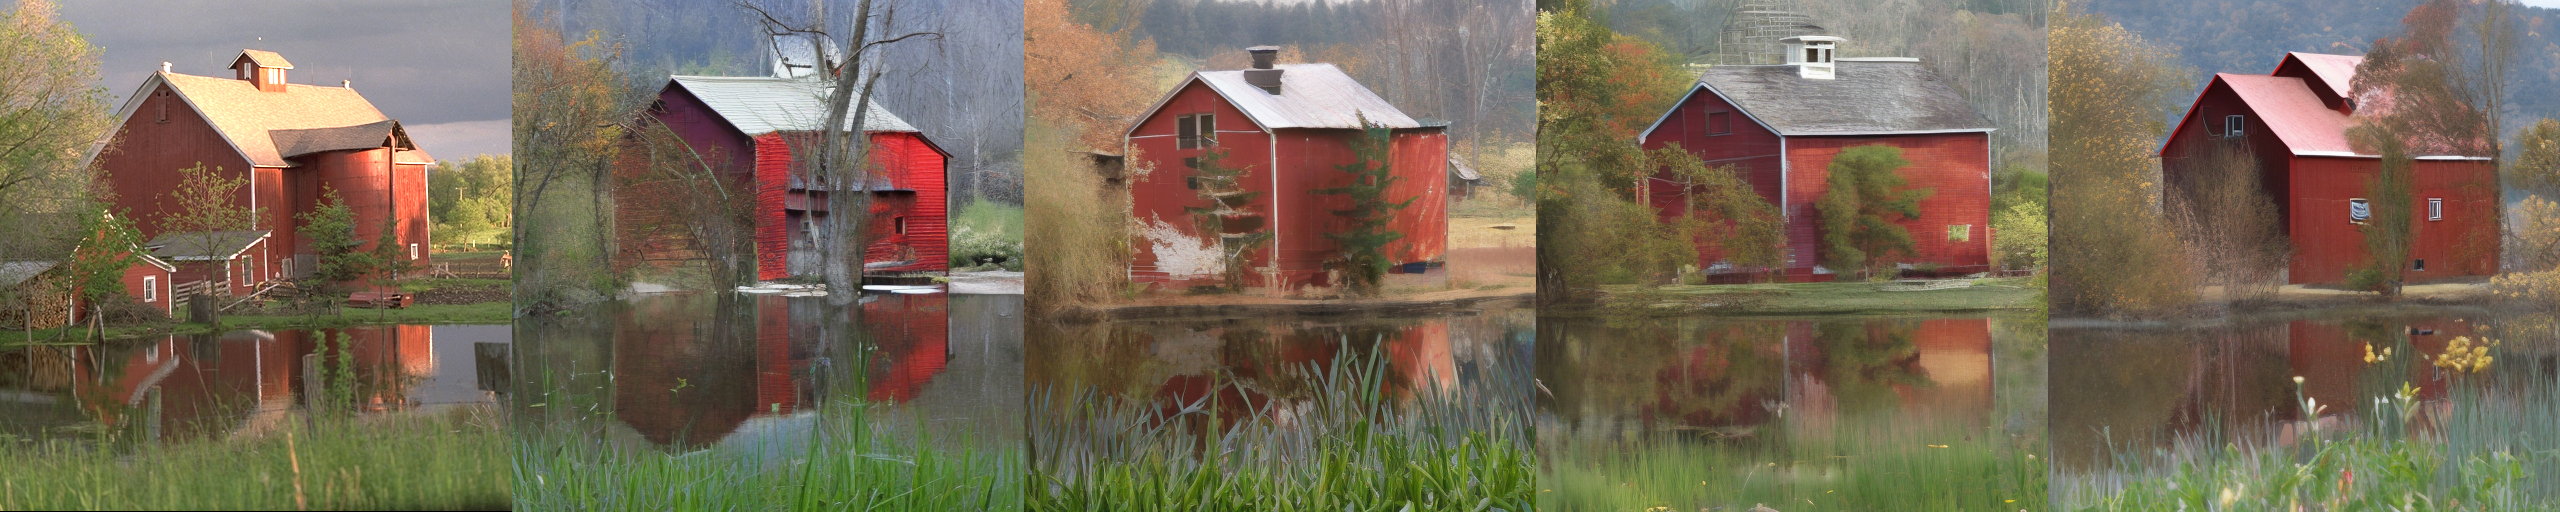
1259	363
678	372
242	383
1829	413
2120	390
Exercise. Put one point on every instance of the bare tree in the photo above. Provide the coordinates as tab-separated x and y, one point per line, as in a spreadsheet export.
2228	223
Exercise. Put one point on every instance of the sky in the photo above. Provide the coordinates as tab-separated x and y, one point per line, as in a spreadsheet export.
438	66
2543	3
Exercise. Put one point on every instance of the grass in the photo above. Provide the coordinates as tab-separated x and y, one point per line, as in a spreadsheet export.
1879	465
1349	447
447	461
420	285
987	231
1836	298
2489	445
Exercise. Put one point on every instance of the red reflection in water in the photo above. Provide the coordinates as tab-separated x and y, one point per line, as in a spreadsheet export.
679	379
236	383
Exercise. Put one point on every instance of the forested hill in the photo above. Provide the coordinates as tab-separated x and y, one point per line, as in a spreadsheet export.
2251	36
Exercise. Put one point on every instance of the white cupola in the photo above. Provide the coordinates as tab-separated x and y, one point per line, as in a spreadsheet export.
1812	55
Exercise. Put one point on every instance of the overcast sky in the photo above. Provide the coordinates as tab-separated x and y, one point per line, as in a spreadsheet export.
439	66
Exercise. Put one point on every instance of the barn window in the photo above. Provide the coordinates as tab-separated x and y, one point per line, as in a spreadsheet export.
2358	211
2421	265
2435	208
413	251
163	102
2235	126
1719	123
1191	182
1196	131
901	224
1959	232
150	289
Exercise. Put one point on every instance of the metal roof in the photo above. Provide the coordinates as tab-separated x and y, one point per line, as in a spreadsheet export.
1311	96
194	246
2287	108
761	105
2337	72
1464	172
1865	98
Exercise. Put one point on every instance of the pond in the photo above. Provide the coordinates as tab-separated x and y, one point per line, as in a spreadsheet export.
245	383
1290	412
2142	409
1829	413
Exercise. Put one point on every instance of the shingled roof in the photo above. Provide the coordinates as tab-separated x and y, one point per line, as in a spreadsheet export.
265	59
1865	98
248	117
1311	96
761	105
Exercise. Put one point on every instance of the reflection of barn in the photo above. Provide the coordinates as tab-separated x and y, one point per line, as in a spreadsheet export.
238	383
290	141
1732	377
2294	121
685	378
761	132
1288	127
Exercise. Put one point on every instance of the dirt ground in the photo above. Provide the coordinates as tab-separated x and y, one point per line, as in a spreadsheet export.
987	283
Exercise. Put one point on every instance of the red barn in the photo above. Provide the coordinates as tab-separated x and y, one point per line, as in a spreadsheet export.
291	141
1288	127
747	126
2294	121
1781	125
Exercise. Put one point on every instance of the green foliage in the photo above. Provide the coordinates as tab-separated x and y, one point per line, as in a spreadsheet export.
96	270
411	461
2021	235
1864	190
2017	185
2111	92
1596	89
1524	185
2390	231
1724	212
1227	198
1363	238
469	199
330	229
2536	167
987	233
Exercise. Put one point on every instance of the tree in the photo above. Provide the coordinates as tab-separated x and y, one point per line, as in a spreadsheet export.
2022	231
1084	85
330	229
2228	222
568	101
204	209
2536	167
1858	231
1362	240
1597	88
1727	215
51	112
2418	98
1238	231
95	270
2111	95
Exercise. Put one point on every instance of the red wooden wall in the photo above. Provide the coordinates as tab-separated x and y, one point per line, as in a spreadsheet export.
2326	244
773	184
1163	193
2203	127
917	170
1957	166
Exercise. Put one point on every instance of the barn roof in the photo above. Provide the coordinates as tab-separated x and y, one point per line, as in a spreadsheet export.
298	142
246	116
1311	96
2287	107
194	246
2336	72
14	272
1865	98
761	105
1464	172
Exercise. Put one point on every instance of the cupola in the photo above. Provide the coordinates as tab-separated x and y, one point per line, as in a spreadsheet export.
1812	55
262	68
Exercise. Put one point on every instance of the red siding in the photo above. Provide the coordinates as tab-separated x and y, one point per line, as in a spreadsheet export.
773	183
913	165
1306	160
1747	147
2203	126
1957	166
2326	244
160	285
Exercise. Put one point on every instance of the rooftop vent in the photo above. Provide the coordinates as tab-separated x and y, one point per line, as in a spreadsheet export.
1812	55
803	55
1264	75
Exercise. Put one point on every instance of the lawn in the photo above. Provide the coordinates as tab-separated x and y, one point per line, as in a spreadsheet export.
454	460
1837	298
1878	466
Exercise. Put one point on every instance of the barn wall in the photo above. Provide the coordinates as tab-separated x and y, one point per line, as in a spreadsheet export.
409	202
1158	198
2327	244
143	164
132	280
773	232
1956	165
1750	148
1308	161
1421	167
704	130
2203	126
911	164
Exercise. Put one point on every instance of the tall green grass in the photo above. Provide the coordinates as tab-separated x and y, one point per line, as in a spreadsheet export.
1349	446
986	232
1878	463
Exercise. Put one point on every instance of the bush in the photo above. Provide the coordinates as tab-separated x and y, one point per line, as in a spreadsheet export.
971	247
2367	278
2530	287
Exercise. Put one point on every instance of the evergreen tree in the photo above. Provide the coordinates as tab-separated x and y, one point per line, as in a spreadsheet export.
1221	186
1364	236
1864	190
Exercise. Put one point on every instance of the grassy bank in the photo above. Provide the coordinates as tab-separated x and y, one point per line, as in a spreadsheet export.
454	460
848	465
1839	298
2481	449
1880	466
1348	447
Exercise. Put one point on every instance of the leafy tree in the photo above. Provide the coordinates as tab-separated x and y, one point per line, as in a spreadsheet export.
204	209
1724	212
1221	188
1524	185
1858	230
569	98
2388	232
1596	89
330	229
55	111
2111	94
1364	236
2536	169
2022	230
96	270
2420	98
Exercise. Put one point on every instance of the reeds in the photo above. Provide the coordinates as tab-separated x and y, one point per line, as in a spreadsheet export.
1350	445
454	460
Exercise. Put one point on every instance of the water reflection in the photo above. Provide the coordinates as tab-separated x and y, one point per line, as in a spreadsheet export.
1243	365
1726	378
2130	390
241	383
681	371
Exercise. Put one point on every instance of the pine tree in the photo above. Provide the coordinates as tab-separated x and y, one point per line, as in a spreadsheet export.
1864	190
1238	230
1364	236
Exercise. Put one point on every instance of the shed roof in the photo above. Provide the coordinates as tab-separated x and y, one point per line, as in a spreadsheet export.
304	141
2287	107
14	272
246	116
761	105
1864	98
1311	96
1464	172
194	246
